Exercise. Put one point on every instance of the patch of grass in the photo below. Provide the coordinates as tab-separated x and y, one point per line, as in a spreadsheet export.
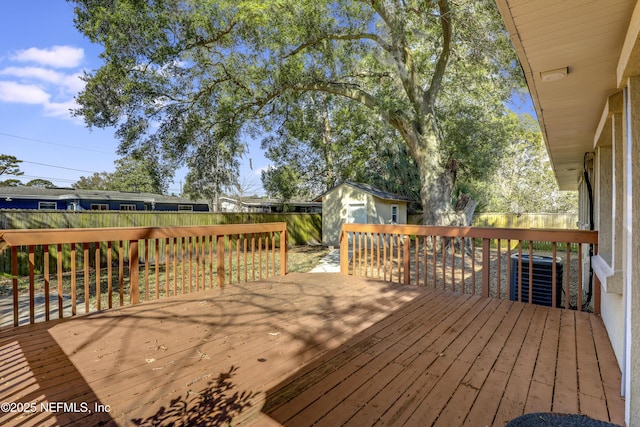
303	258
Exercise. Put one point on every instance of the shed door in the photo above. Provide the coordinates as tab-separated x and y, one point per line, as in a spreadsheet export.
356	213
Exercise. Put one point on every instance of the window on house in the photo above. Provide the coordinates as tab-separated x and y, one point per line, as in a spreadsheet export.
47	205
185	208
99	207
394	214
124	207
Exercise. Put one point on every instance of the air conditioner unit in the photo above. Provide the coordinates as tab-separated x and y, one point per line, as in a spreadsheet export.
543	280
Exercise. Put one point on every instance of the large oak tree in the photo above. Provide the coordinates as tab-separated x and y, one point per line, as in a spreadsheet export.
182	74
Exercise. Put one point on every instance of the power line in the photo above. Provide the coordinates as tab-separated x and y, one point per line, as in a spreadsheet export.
54	143
58	167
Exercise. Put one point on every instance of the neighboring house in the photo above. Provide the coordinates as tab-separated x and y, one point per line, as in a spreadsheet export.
25	197
582	65
264	205
351	202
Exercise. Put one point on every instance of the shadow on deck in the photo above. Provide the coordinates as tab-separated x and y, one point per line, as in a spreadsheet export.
305	349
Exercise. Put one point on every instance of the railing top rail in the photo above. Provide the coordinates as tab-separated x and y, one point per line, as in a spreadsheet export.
534	234
87	235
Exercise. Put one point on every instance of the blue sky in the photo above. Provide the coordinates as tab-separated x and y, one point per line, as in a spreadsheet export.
42	56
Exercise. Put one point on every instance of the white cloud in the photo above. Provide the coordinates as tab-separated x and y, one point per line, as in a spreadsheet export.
71	82
22	93
61	109
56	56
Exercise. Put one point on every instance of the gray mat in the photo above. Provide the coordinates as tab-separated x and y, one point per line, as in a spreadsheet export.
545	419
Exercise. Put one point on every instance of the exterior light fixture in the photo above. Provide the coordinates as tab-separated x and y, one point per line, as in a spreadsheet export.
553	75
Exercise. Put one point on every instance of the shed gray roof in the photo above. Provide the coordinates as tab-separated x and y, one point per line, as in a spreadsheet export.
385	195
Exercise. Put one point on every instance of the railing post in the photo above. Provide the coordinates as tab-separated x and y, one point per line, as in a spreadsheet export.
134	272
220	259
486	248
344	252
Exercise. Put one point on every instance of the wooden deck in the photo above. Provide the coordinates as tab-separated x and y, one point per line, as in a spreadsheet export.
303	349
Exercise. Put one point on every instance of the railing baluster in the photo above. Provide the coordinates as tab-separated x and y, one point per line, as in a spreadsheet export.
73	279
174	253
568	271
134	273
190	272
508	266
98	268
266	255
14	284
32	289
260	236
220	260
167	242
473	266
366	254
391	238
498	268
417	260
253	256
59	277
424	260
579	277
530	300
284	242
400	257
444	263
46	281
197	256
110	274
519	270
212	283
463	247
406	260
377	242
434	241
554	276
146	269
385	236
453	264
238	258
120	272
244	247
85	267
183	263
486	266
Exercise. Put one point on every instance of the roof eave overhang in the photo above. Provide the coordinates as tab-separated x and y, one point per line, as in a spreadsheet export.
591	39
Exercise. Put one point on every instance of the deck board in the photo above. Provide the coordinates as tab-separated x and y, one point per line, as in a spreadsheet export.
320	349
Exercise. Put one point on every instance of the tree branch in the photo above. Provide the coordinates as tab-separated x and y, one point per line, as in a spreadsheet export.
367	36
431	94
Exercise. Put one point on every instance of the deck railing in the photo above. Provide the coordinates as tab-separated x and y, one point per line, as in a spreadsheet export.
489	261
85	270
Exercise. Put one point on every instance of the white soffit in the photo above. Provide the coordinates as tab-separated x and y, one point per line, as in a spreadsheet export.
585	36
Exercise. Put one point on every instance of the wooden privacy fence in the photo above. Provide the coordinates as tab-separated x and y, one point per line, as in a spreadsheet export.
112	267
537	266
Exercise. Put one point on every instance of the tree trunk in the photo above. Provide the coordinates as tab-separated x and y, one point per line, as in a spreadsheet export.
437	181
